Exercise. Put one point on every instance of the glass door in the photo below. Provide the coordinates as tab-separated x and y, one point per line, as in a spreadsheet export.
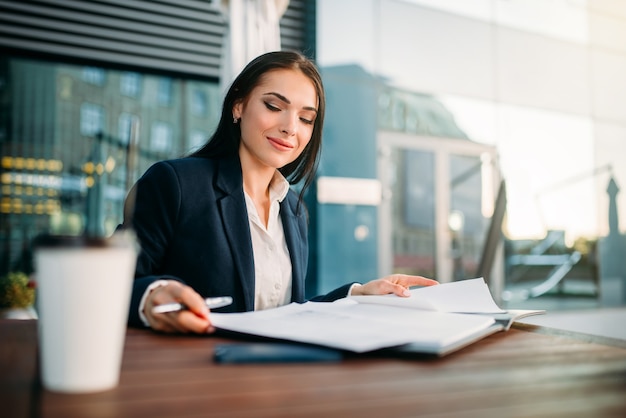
438	200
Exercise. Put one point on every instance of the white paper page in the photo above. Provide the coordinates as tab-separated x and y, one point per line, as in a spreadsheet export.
352	326
465	296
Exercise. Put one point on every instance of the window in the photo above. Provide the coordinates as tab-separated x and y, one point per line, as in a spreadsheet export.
130	84
198	103
91	119
164	91
93	75
124	127
197	139
161	137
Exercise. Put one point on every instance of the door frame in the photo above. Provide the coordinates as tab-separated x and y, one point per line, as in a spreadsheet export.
442	148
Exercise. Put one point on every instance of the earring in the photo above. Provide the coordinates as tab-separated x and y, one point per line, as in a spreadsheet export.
235	120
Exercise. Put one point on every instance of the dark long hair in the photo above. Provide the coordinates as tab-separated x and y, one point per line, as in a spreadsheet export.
227	136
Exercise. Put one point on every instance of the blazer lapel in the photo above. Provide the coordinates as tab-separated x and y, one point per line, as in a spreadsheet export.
297	251
235	220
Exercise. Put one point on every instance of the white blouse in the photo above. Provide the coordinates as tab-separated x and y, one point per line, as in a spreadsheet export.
272	265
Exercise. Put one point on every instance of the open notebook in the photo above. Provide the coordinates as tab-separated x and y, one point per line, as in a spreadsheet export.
434	320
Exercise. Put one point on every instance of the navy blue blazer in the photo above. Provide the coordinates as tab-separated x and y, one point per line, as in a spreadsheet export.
191	221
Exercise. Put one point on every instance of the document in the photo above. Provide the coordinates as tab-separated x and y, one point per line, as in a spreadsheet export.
435	320
465	296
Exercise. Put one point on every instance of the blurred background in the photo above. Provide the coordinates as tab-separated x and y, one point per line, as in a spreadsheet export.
463	138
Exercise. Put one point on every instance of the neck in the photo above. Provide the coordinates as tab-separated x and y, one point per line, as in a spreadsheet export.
256	176
256	183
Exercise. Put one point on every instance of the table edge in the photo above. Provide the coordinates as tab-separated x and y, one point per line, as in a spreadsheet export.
596	339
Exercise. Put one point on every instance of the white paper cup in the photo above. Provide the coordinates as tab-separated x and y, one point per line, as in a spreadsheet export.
84	288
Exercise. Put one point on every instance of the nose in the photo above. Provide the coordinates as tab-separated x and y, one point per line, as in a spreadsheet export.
289	124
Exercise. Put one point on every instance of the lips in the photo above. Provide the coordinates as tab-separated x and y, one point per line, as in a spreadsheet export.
280	144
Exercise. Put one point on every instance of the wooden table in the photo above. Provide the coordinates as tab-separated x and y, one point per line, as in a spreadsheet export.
525	372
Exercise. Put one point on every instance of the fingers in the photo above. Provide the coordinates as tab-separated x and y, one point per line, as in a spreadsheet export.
382	287
399	290
191	322
403	282
194	302
408	281
195	318
397	284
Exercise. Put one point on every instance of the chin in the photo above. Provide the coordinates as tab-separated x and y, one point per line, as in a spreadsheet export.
279	162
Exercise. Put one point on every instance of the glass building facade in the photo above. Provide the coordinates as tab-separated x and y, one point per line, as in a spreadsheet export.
75	138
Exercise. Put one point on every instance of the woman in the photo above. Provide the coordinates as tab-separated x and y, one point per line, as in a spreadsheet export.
223	220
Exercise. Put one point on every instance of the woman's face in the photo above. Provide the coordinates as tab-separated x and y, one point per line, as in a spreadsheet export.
277	118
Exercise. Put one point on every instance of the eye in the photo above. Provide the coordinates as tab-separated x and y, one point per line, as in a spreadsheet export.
307	121
272	107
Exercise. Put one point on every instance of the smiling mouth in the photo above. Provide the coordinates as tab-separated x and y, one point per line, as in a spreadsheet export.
280	144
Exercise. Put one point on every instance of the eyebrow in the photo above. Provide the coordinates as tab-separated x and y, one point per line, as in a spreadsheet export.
286	100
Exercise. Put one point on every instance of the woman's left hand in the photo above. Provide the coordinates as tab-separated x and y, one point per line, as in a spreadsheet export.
397	284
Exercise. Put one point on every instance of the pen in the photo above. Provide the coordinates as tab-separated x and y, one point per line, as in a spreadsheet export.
211	303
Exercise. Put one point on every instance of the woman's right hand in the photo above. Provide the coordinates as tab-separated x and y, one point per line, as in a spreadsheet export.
195	318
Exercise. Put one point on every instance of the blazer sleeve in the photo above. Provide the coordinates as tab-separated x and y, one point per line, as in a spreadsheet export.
339	293
156	208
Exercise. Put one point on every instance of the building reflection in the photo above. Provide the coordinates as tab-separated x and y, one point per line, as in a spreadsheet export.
74	138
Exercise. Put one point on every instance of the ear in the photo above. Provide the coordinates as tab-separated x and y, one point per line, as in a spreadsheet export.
237	109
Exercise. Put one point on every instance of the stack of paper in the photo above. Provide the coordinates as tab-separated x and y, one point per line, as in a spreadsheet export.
436	319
